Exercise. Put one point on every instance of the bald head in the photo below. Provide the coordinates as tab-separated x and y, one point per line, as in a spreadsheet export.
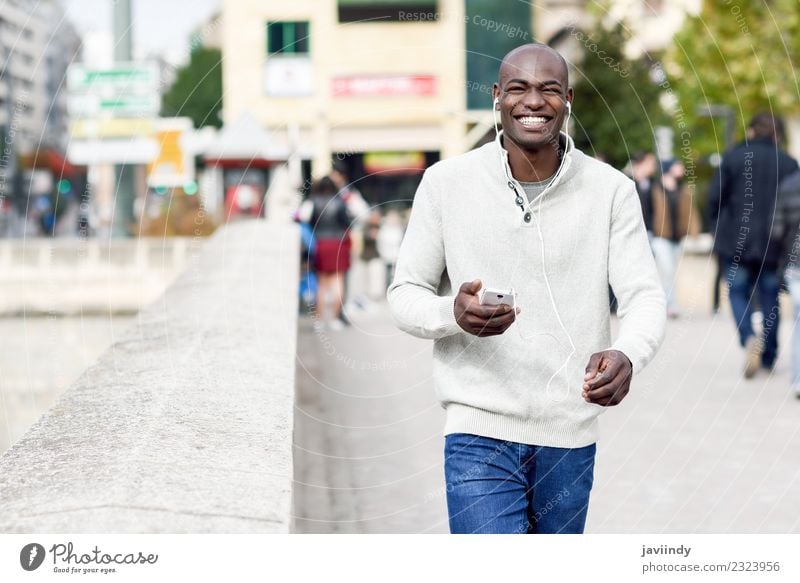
522	57
533	96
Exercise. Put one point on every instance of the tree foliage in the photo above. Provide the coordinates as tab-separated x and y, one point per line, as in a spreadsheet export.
616	106
738	54
197	90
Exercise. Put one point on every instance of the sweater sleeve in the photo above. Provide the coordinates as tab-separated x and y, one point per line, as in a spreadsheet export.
634	279
413	296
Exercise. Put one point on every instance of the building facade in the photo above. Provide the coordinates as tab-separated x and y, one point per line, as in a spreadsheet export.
386	87
37	44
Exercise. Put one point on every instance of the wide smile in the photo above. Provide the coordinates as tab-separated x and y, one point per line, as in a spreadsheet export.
533	123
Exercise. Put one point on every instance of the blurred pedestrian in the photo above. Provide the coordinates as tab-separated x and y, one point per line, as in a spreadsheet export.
642	171
373	278
390	237
741	207
308	278
358	209
673	212
787	230
327	214
352	197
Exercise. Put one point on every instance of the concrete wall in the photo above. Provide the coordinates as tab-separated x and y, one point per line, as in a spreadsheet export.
85	276
184	424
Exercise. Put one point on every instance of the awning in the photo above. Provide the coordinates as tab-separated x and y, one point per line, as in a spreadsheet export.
49	159
245	139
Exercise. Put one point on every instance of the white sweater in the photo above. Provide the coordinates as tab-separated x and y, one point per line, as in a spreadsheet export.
525	384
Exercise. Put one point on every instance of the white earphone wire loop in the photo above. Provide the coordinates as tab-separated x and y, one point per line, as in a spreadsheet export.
557	178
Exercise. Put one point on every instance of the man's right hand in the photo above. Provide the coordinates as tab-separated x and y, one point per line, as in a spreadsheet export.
477	319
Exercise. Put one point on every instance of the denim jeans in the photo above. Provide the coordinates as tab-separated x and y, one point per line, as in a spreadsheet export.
743	279
497	487
793	283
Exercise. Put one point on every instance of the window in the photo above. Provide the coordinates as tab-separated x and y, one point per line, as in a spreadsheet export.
388	10
288	71
492	29
287	38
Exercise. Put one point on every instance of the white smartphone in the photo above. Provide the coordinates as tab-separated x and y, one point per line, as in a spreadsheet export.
494	297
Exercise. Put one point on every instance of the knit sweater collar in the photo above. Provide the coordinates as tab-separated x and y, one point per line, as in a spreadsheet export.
567	170
568	162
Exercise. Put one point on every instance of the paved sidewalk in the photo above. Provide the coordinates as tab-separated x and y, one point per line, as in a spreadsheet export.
694	448
368	444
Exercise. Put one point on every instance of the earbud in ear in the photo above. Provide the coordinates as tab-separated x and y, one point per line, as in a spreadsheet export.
496	102
569	107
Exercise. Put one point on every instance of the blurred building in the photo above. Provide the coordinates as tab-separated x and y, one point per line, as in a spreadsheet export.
37	44
386	87
652	22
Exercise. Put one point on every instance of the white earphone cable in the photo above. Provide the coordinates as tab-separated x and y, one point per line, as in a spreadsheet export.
557	178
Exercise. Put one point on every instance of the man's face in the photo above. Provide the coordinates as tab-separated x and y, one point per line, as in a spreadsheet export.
533	93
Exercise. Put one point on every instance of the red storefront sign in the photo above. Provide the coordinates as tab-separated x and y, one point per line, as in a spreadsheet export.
384	85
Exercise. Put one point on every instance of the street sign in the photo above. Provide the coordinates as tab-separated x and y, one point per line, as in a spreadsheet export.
174	163
139	150
123	78
101	129
124	90
90	106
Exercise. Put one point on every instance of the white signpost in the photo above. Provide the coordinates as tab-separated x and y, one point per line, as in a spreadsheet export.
113	112
125	90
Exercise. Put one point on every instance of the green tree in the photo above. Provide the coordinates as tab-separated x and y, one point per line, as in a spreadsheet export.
197	90
616	106
739	54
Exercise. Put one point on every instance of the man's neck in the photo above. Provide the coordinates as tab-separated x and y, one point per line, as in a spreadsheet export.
532	165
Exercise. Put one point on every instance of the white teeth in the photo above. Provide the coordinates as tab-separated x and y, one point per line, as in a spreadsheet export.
530	120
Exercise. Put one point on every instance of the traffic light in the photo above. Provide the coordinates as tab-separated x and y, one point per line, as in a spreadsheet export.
64	186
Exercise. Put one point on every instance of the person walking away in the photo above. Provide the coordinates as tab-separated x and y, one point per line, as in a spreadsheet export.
673	212
742	199
327	214
643	171
787	230
358	209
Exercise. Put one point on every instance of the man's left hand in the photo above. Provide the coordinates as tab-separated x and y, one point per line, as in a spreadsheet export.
608	378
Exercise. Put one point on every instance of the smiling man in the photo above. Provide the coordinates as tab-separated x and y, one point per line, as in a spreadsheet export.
523	387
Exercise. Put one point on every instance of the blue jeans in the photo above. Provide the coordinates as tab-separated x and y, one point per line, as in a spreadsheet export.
743	279
497	487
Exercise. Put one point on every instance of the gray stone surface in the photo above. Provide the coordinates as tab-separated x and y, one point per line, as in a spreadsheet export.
185	423
41	357
694	448
368	441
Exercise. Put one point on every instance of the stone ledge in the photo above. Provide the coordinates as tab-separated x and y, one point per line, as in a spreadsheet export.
185	424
